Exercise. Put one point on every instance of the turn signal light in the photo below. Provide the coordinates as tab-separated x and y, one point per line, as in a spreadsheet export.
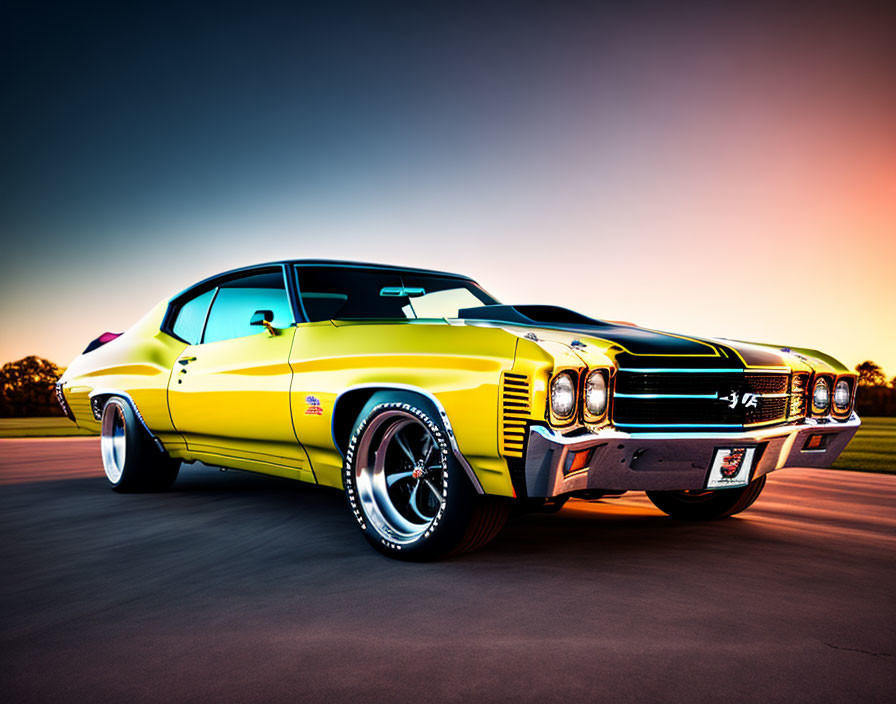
577	461
816	442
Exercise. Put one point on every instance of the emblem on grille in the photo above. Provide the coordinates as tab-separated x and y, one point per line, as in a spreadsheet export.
747	400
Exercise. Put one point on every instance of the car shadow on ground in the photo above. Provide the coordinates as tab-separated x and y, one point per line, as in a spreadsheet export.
602	527
297	517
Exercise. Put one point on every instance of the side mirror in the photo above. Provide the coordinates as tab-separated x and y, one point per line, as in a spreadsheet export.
260	317
264	317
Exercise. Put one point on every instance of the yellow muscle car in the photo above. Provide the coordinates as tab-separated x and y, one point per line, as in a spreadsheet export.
438	410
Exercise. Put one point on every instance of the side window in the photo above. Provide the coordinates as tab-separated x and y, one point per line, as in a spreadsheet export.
238	299
191	317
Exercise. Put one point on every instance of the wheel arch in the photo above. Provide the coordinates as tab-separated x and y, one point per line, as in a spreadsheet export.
98	399
350	402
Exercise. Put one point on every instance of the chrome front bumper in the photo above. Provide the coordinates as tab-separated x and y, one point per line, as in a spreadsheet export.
669	461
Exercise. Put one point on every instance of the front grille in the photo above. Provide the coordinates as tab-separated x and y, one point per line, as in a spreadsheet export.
766	383
515	411
700	400
700	383
673	412
767	410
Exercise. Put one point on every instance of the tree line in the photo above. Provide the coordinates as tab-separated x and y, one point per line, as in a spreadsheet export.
27	389
875	396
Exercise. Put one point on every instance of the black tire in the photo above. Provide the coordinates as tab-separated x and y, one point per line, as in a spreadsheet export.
707	505
131	459
409	494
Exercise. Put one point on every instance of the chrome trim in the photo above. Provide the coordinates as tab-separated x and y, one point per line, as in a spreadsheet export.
732	426
127	397
667	461
439	407
714	396
669	370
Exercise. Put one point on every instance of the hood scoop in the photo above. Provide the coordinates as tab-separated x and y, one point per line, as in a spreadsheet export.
529	315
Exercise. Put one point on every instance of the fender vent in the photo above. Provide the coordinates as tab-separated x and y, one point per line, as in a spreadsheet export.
516	410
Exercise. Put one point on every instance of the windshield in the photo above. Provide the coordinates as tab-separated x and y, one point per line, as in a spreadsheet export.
353	293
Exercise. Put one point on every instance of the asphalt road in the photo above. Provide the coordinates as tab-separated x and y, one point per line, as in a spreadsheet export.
234	587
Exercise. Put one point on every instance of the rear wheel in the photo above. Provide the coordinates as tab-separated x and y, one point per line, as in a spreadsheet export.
406	489
707	505
131	461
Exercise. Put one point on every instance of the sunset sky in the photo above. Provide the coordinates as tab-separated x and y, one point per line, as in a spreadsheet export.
723	173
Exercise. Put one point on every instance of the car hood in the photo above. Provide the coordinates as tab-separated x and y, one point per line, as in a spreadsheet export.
633	347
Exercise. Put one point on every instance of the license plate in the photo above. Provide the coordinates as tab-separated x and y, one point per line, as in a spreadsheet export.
731	467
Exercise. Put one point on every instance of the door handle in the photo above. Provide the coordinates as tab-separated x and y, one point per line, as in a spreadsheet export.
186	360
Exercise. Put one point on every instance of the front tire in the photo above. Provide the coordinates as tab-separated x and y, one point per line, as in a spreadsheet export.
131	461
405	487
707	505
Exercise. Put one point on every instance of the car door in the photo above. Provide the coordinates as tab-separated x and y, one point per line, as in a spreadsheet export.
229	391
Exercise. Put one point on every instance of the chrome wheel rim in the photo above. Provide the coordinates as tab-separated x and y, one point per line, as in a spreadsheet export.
400	477
113	441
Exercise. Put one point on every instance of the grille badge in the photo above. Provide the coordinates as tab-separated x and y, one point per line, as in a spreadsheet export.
748	400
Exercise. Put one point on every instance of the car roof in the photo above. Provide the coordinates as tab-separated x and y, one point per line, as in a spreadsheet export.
366	265
313	262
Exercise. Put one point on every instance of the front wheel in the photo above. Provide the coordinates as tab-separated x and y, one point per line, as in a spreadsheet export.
707	505
131	461
406	489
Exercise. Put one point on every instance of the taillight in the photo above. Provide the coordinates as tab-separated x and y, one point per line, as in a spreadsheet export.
101	340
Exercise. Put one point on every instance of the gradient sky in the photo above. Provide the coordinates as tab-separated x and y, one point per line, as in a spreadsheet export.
725	173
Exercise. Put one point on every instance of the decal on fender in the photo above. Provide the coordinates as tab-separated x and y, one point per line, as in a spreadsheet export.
313	406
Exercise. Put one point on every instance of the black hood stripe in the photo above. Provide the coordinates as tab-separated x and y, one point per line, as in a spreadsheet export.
636	347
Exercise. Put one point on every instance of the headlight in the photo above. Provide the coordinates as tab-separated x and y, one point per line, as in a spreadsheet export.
841	395
821	395
563	395
596	393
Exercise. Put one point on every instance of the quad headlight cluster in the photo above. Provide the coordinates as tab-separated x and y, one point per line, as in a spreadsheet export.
565	395
830	396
